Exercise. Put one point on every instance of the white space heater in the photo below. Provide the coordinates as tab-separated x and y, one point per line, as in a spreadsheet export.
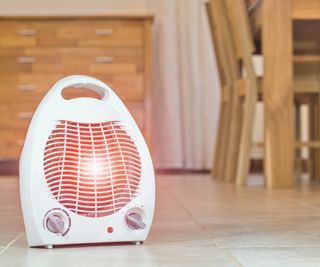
86	174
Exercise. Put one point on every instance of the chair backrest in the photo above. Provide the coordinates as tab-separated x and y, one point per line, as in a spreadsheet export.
232	37
241	34
223	42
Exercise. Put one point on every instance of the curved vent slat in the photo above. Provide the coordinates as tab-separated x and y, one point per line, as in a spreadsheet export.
92	169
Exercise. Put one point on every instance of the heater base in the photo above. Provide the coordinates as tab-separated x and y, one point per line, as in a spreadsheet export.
137	243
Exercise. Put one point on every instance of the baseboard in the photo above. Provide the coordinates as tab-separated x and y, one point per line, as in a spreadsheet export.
9	167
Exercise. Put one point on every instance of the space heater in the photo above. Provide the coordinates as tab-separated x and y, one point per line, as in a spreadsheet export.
86	175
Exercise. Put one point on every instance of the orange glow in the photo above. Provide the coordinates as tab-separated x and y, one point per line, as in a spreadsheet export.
92	169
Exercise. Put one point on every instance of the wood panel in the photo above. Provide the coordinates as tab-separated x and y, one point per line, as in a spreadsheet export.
11	142
108	33
148	94
35	52
137	110
305	9
71	60
16	115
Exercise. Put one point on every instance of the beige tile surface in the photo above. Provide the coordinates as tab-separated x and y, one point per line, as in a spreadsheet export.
278	257
175	239
277	231
124	255
11	224
198	222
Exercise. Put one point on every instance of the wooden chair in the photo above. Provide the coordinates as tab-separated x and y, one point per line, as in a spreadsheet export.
232	156
234	48
229	73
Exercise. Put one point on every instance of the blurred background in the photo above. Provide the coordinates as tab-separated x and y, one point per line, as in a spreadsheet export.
161	58
183	94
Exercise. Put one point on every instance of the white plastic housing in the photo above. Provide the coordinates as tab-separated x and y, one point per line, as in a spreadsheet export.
37	200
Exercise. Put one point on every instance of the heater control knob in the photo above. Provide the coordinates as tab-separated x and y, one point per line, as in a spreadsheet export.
135	221
55	224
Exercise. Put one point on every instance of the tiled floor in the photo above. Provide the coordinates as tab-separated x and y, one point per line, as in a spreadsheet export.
198	222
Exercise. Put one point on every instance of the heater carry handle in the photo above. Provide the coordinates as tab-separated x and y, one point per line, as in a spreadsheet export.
81	81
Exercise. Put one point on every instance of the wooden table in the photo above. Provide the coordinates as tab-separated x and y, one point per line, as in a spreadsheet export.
277	46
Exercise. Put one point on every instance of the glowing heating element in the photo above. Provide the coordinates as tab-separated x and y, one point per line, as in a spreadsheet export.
92	169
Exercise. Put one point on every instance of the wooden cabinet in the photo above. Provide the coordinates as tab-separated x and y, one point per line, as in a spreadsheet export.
35	52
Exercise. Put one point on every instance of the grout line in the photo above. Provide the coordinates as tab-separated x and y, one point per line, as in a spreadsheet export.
271	246
226	252
9	244
222	249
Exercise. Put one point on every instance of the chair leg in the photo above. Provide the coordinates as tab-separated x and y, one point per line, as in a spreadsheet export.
298	156
217	145
223	163
230	166
312	134
315	135
244	157
221	142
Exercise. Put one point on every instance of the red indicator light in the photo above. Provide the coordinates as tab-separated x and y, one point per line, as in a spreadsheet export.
110	230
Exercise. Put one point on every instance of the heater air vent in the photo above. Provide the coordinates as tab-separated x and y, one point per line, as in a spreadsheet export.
92	169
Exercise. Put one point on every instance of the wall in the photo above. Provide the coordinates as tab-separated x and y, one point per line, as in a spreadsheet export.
60	7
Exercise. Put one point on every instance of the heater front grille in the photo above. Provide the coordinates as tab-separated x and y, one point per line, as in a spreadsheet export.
92	169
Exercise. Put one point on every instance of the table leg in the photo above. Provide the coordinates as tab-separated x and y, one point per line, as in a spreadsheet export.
314	116
278	93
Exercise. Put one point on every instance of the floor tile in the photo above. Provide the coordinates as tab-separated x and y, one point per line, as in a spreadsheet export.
11	224
267	231
121	255
197	222
277	257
